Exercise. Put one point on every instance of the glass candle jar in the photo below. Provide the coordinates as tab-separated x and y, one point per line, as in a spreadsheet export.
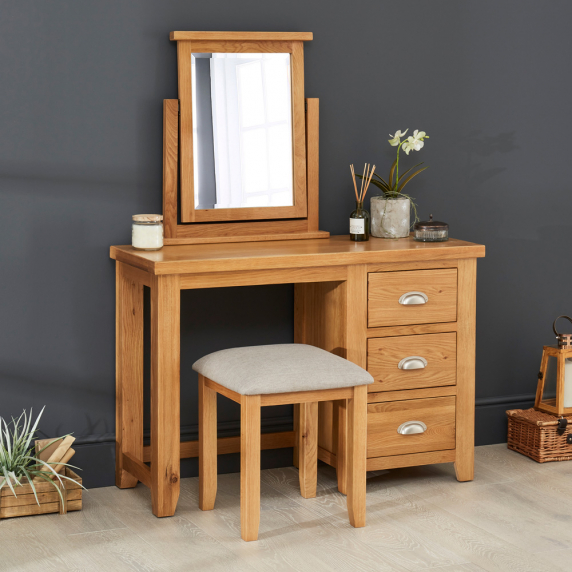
431	231
147	232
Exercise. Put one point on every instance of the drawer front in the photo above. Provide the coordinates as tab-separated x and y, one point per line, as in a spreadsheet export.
438	366
385	289
384	420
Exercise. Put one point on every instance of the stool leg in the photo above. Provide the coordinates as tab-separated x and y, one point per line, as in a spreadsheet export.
250	467
357	455
207	446
296	452
308	449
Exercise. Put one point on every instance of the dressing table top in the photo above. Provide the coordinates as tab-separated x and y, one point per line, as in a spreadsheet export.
333	251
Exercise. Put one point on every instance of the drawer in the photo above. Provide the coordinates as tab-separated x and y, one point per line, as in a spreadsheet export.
437	367
436	300
384	420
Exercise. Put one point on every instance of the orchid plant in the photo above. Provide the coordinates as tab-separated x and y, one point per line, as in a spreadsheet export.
394	186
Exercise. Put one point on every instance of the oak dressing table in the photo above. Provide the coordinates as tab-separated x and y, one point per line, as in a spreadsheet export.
240	208
346	301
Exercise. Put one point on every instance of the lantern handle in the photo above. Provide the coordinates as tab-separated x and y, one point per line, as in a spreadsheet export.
554	324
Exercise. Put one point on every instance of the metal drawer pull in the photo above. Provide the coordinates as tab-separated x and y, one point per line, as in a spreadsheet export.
412	427
412	362
413	299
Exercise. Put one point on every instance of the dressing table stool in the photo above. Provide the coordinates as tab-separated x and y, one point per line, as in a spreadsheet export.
276	375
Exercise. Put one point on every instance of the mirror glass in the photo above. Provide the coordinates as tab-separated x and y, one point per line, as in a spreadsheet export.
242	130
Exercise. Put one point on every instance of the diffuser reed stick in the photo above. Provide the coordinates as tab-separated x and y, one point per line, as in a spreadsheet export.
359	219
361	188
365	181
368	182
354	180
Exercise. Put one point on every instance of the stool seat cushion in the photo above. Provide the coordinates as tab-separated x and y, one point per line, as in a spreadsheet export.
280	368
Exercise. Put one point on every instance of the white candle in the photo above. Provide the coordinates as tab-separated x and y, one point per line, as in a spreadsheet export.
568	382
147	232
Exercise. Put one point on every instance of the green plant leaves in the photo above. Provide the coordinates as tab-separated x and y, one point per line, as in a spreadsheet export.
17	460
393	188
409	170
381	180
391	171
380	184
407	179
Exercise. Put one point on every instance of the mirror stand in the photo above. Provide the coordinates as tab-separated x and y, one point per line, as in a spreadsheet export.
240	144
241	231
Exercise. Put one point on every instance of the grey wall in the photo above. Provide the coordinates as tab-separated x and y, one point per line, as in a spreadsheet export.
81	90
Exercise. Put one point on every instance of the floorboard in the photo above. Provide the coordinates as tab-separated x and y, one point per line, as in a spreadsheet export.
515	515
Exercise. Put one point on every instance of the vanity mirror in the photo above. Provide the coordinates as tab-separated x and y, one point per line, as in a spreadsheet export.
242	133
240	147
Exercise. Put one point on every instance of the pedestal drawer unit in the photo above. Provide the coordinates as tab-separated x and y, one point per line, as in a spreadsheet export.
413	328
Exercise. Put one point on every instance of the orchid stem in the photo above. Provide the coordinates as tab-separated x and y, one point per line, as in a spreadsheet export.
397	166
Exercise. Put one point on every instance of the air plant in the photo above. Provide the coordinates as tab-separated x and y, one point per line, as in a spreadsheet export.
394	186
17	461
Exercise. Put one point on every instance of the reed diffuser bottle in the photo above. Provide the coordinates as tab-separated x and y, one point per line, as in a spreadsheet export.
359	224
359	219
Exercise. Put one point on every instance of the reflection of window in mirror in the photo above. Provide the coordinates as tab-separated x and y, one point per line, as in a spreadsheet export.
242	130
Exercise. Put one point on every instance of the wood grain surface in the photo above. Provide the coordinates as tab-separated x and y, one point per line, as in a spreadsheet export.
383	420
385	354
335	251
418	518
466	348
243	36
128	370
250	467
386	288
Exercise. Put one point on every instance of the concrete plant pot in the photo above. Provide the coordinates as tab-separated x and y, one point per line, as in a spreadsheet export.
390	218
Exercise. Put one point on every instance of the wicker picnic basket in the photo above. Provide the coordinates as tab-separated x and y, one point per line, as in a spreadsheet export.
535	434
50	501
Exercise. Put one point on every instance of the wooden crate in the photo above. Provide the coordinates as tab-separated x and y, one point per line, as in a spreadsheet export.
25	503
534	434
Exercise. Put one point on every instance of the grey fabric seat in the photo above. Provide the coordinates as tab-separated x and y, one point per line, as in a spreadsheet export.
280	368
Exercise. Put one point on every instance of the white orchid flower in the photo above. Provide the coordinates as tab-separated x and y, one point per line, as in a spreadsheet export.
415	143
396	139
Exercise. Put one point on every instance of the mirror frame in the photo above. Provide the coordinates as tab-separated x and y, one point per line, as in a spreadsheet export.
241	42
259	226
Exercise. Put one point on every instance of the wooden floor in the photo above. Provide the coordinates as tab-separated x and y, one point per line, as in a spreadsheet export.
516	515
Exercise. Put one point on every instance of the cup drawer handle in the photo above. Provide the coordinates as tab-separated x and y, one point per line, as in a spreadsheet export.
412	428
412	362
413	299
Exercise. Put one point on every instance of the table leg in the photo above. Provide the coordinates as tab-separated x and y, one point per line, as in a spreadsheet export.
207	446
355	307
465	408
165	394
357	455
129	373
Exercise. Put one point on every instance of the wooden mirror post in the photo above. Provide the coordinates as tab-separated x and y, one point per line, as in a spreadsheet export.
185	225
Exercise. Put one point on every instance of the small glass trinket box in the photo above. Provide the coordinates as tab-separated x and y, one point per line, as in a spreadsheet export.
431	231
